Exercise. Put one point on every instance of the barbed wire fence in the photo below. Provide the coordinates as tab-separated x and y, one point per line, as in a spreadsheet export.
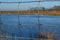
9	37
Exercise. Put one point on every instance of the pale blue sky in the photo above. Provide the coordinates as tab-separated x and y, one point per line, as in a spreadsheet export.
24	6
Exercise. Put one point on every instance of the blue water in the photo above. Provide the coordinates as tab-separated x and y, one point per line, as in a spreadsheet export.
26	29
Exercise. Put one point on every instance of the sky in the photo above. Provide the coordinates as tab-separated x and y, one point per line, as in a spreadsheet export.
25	6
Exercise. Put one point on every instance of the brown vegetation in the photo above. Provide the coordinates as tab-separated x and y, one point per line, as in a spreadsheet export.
45	12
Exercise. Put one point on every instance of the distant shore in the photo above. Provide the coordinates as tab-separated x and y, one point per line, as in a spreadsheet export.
44	12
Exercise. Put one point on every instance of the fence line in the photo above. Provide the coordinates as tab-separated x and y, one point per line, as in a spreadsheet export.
22	2
19	22
19	25
29	1
33	24
38	20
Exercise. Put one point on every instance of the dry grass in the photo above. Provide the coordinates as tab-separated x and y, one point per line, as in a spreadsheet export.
45	12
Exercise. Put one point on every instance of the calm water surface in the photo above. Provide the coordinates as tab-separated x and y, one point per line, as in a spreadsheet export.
29	25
